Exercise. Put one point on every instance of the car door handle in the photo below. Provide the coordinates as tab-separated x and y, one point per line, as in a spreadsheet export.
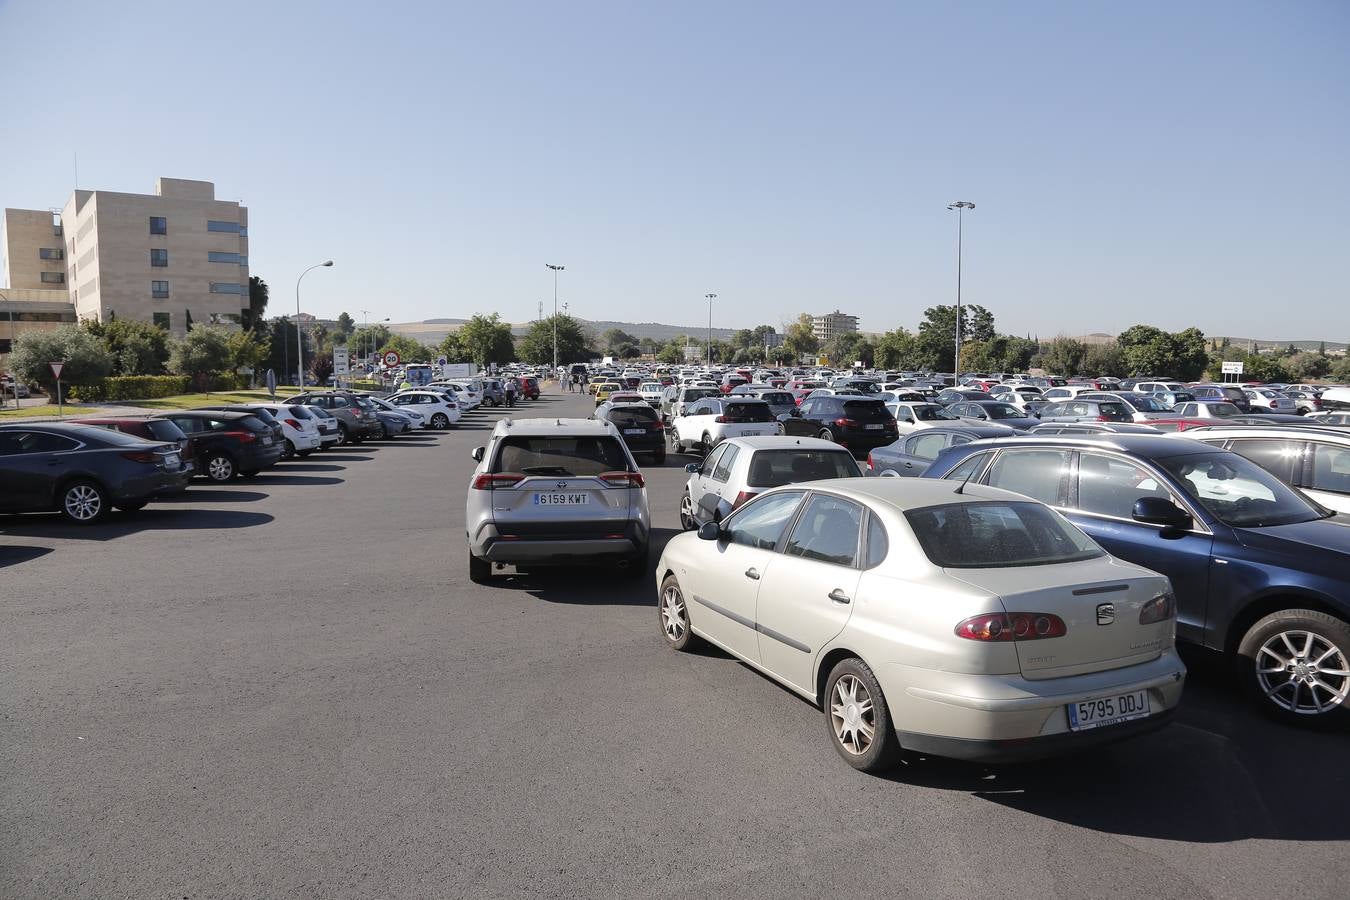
838	596
909	465
752	574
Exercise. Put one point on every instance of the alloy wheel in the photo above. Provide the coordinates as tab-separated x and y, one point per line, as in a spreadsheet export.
1303	672
852	715
673	615
83	502
687	520
220	468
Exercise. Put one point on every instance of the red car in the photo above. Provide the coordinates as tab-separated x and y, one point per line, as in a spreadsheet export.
152	430
529	388
732	381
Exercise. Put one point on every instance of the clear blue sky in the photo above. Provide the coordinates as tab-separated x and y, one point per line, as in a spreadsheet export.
1160	162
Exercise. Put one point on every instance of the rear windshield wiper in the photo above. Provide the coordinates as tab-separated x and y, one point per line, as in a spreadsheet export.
546	470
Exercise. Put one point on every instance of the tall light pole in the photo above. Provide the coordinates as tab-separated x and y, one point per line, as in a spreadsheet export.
299	338
9	310
960	206
711	298
365	327
556	270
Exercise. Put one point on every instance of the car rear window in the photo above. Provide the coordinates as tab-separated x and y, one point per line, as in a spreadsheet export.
626	416
1110	408
300	412
866	410
561	456
164	430
771	468
780	398
748	412
985	535
1004	411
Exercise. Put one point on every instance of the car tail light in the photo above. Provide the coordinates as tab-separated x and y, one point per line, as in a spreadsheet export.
623	479
846	423
486	482
656	426
1159	609
244	437
741	498
870	467
293	423
1018	626
720	420
141	456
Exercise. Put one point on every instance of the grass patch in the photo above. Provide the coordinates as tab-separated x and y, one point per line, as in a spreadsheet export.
50	409
191	401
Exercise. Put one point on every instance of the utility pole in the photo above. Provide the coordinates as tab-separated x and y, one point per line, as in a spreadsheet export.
299	338
711	298
960	206
556	270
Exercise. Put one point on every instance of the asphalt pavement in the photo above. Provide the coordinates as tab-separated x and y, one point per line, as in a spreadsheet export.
288	687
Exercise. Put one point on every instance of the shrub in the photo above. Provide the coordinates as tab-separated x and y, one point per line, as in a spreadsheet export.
132	387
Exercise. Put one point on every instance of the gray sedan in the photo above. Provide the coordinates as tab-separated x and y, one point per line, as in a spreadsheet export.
912	455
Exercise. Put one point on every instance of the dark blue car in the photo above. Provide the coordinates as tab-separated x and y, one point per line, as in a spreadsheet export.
1261	572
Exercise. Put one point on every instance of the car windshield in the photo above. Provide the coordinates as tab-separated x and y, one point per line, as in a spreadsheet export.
1240	493
997	534
1223	410
1003	411
561	456
748	412
692	394
771	468
776	398
1148	404
628	416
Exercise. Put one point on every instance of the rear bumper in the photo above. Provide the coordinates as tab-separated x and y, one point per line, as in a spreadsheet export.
160	484
559	547
645	443
1002	718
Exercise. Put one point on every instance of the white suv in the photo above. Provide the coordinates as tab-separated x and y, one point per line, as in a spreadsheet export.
299	429
712	420
553	491
437	410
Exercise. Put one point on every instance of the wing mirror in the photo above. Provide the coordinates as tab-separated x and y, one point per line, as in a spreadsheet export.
709	531
478	453
691	468
1160	511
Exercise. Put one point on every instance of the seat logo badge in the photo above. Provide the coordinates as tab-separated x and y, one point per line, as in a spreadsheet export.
1106	613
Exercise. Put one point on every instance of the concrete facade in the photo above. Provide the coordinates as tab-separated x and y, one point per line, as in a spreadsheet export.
23	310
119	262
33	250
826	327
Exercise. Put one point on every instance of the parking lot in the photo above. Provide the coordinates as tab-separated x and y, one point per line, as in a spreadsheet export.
288	686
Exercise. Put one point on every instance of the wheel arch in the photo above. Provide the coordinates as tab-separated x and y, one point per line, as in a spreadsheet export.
70	478
832	658
1272	602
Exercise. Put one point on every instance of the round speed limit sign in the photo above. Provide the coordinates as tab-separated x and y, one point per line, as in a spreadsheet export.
391	358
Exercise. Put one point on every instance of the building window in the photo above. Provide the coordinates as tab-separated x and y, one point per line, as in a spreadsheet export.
228	227
161	320
159	290
53	277
51	253
227	287
159	258
159	225
217	256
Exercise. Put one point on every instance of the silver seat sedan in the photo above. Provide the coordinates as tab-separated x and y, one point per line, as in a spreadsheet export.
960	621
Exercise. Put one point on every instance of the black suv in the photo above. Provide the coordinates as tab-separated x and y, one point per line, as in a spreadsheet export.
640	427
227	443
858	423
355	414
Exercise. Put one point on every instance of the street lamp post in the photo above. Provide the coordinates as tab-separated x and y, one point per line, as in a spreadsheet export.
711	298
299	338
9	310
556	270
960	206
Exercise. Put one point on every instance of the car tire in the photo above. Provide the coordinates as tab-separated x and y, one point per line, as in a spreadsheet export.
853	706
489	402
303	453
708	444
133	506
440	421
480	570
219	467
687	520
1285	663
672	612
675	445
288	450
659	456
343	436
83	502
826	435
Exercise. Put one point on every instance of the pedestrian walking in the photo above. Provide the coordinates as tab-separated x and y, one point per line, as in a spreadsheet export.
512	387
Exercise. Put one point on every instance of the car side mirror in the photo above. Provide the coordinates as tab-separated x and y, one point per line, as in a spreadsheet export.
691	468
709	531
478	453
1160	511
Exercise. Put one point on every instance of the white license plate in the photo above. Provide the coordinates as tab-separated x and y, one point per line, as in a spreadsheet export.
877	427
561	499
1101	711
266	441
634	431
171	461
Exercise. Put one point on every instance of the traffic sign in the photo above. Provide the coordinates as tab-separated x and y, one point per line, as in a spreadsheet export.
442	361
56	370
1232	368
392	358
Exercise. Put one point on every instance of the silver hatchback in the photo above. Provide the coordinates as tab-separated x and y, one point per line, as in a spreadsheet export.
555	492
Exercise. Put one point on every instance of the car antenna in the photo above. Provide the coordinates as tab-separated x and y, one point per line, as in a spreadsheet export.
962	488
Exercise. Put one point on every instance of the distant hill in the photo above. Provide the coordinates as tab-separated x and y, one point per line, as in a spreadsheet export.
1332	346
433	331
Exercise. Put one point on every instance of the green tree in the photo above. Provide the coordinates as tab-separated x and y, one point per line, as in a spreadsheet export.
258	293
137	348
536	347
345	325
452	349
282	345
247	350
1308	366
848	347
612	339
204	352
369	338
86	359
1147	350
408	350
743	339
671	353
1104	359
801	339
1063	356
629	351
488	340
1264	367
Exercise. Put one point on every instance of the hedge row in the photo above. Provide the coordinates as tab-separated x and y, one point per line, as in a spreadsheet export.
151	387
